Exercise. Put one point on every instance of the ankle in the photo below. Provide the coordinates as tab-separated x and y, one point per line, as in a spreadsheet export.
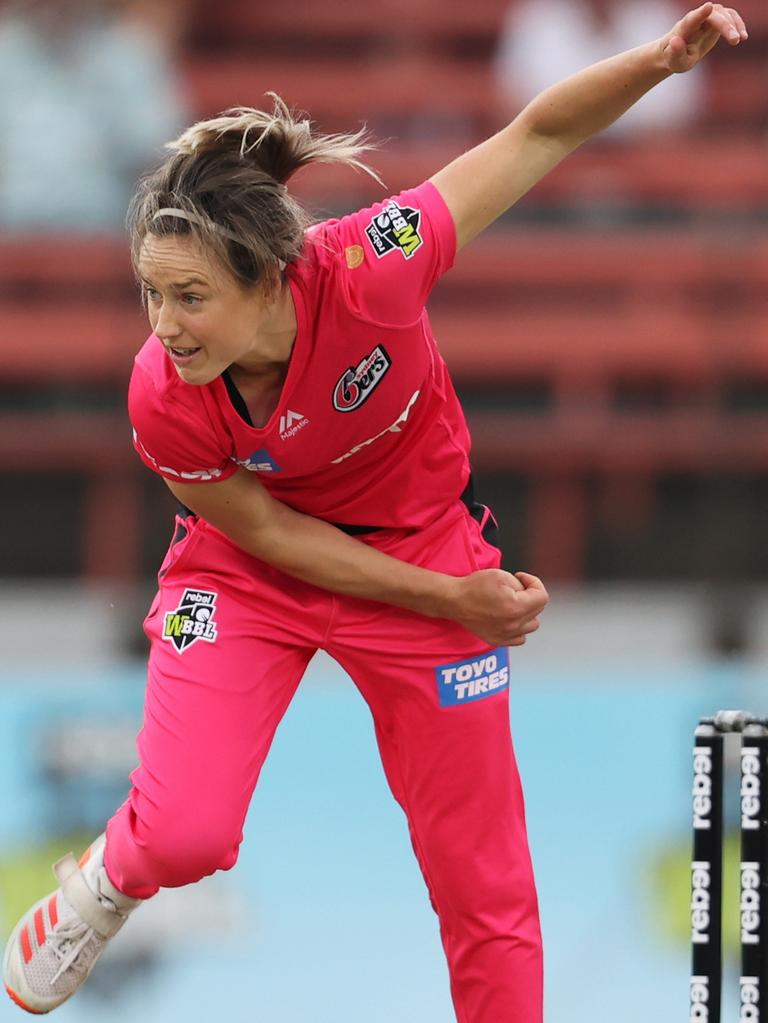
106	890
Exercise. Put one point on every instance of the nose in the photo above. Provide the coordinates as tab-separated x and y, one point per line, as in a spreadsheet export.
166	325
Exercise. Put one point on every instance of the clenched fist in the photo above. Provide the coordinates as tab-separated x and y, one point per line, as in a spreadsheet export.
501	608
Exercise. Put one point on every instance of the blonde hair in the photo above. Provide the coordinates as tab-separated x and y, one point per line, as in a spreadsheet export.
224	183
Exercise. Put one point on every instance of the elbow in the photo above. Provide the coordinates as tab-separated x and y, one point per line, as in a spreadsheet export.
546	126
541	119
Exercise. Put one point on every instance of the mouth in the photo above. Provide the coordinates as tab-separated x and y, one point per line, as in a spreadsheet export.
182	356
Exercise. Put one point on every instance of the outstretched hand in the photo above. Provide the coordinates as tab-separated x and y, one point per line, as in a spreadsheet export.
695	35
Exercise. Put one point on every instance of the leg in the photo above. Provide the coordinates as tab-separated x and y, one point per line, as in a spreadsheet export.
444	736
213	703
222	671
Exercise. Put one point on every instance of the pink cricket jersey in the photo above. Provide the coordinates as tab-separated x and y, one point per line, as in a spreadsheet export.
368	429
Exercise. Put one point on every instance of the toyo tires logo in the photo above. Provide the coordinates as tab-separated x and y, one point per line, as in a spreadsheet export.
476	678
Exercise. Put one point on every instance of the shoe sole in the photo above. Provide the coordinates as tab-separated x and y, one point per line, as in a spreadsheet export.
15	998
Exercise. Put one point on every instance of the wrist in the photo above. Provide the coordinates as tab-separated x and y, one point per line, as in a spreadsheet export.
441	601
655	55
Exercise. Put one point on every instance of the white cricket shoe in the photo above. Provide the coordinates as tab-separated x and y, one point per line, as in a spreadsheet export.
56	943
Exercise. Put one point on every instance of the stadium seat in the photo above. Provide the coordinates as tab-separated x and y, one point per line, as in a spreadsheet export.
597	321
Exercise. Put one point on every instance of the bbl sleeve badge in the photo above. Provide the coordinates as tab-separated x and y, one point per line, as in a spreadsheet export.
395	229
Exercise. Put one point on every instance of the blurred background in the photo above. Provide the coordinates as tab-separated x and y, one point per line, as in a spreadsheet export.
609	338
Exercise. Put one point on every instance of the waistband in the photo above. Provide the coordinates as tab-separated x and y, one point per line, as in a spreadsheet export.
467	497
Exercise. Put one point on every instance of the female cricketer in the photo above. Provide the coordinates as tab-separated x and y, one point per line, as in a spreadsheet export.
292	397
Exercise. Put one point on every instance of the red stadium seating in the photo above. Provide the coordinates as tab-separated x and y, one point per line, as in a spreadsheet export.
395	24
414	93
70	317
340	94
398	22
440	109
585	318
581	315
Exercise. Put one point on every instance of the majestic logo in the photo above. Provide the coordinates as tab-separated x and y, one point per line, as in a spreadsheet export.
356	384
192	620
699	1000
396	427
702	788
701	880
396	228
259	461
291	423
464	681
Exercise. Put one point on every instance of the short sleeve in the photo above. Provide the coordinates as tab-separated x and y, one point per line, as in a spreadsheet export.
392	254
170	439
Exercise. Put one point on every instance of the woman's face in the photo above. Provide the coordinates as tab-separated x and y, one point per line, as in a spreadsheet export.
206	320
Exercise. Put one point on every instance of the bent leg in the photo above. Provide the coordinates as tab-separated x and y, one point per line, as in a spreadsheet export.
222	670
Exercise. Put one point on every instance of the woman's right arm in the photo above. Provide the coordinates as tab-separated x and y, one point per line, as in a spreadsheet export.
500	608
485	181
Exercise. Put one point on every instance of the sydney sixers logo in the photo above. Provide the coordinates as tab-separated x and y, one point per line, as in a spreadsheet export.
191	620
358	382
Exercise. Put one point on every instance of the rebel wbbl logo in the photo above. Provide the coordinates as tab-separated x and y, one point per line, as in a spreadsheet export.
357	383
395	228
192	620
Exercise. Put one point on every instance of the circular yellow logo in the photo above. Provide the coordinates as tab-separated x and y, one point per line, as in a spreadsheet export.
355	256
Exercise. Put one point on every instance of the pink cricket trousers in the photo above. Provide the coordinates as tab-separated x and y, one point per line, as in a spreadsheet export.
231	638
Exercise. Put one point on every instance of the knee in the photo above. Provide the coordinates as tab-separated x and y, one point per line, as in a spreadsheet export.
501	894
183	851
513	900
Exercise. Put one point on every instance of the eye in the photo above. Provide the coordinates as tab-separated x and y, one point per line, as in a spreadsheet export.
150	294
189	299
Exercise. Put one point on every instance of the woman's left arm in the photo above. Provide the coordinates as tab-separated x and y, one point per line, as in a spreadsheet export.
480	185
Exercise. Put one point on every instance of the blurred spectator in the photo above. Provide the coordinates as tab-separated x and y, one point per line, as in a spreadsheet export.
87	97
545	40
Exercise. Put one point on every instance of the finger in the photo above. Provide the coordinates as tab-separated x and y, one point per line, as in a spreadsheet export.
522	628
513	582
677	46
532	596
738	22
532	609
532	626
519	636
721	21
530	582
693	20
677	54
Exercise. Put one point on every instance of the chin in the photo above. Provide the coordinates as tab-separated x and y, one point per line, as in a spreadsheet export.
196	376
